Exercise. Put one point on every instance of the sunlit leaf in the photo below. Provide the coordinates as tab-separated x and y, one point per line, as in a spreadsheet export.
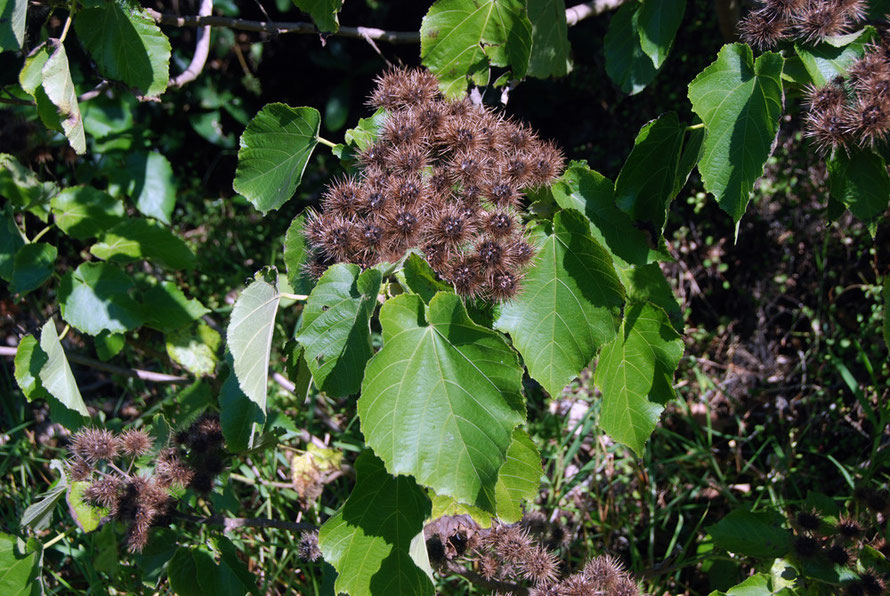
94	297
32	266
85	212
441	399
137	238
126	43
19	568
740	102
335	331
323	12
460	38
657	25
635	374
569	305
85	516
645	186
60	89
368	540
752	534
249	336
12	24
56	376
275	149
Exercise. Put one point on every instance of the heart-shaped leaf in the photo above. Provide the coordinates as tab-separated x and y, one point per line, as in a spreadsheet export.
441	399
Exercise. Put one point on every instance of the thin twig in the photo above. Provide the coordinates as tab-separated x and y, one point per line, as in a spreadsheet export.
230	523
94	92
574	15
145	375
202	49
580	12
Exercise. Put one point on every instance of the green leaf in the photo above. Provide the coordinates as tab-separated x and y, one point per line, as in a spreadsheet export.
626	63
108	345
29	360
56	376
335	332
831	59
569	306
109	122
152	561
297	368
657	25
550	42
693	149
107	557
194	572
274	151
647	283
417	277
459	38
148	179
60	89
756	585
194	348
85	516
10	242
19	571
31	80
232	570
366	131
170	308
635	374
12	24
441	399
296	255
323	12
752	534
94	297
593	194
85	212
519	478
21	187
237	415
645	187
740	102
249	336
136	239
39	515
33	265
31	75
126	44
860	183
368	540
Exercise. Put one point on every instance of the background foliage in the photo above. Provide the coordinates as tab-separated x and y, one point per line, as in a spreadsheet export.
154	218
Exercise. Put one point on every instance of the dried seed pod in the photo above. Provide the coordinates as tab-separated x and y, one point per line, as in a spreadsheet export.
763	29
135	442
94	445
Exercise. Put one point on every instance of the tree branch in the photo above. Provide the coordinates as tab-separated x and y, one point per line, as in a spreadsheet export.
230	523
145	375
580	12
574	15
202	49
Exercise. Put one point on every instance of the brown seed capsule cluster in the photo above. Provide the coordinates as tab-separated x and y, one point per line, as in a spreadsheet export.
852	111
840	542
144	501
804	21
509	554
446	177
